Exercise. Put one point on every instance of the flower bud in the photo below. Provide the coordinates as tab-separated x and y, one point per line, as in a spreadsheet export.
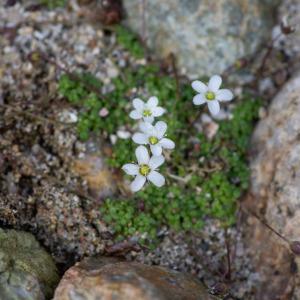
295	247
35	57
10	3
219	289
241	63
141	206
285	27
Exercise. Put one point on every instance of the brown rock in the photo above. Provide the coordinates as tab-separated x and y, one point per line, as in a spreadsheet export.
93	170
275	195
85	2
98	177
107	12
109	278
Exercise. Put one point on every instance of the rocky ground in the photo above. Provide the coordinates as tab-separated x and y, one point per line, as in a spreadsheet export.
52	184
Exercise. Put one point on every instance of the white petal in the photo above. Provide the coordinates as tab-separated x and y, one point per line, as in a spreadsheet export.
142	155
167	143
152	102
146	127
155	133
161	128
158	111
140	138
131	169
156	178
148	119
199	86
136	115
214	83
138	104
224	95
214	107
199	99
137	183
156	149
156	161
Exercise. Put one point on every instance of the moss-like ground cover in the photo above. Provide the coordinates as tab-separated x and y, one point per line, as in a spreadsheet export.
51	4
205	178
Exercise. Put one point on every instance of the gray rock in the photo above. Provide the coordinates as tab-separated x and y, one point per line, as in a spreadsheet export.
112	279
290	44
275	195
206	36
27	272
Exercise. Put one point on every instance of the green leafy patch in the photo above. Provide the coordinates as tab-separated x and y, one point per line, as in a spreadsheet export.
212	190
85	93
205	177
129	41
51	4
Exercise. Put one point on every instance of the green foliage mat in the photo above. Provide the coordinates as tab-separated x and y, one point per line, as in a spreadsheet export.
51	4
205	178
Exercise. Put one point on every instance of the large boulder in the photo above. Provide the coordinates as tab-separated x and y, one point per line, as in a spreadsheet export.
275	195
110	278
27	272
206	36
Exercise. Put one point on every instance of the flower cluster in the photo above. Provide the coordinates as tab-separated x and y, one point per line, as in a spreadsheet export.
152	136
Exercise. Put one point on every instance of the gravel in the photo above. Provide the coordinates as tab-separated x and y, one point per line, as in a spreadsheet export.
39	190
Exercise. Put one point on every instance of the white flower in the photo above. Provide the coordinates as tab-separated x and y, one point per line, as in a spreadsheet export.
146	111
211	94
145	169
154	136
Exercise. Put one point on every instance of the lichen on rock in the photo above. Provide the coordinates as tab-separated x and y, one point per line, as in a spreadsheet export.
27	271
206	36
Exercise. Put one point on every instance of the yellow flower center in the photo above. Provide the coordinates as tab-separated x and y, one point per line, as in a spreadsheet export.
210	96
35	56
153	140
144	170
147	113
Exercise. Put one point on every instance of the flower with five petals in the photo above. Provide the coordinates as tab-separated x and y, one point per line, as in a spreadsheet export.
154	136
146	111
145	169
211	94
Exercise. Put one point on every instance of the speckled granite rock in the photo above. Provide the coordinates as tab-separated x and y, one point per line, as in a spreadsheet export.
45	171
206	36
109	278
275	195
290	44
27	272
